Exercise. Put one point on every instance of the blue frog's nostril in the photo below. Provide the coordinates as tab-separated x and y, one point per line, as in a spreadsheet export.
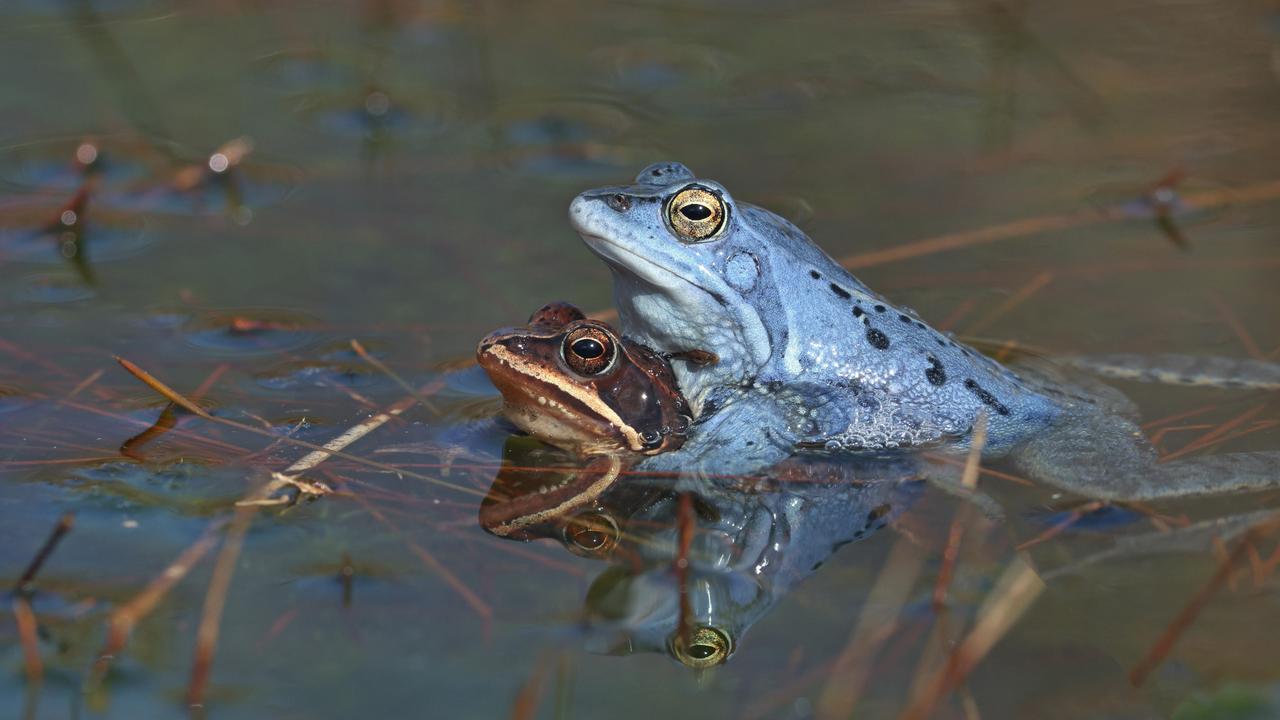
618	202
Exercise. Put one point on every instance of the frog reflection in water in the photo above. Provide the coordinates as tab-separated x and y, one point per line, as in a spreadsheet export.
811	357
751	546
752	541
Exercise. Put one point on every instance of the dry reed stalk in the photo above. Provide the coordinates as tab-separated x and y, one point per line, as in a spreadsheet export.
1191	610
60	530
319	452
413	392
1026	227
1014	593
25	619
215	600
121	623
1020	296
215	597
968	481
876	623
1217	433
24	616
1233	321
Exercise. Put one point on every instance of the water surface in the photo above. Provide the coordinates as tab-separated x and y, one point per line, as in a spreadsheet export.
254	185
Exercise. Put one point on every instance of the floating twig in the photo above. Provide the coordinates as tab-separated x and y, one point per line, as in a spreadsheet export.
382	367
121	623
23	615
1026	227
685	530
1233	321
1015	592
1217	433
25	618
215	600
968	481
1023	294
464	591
1187	616
65	523
876	623
321	452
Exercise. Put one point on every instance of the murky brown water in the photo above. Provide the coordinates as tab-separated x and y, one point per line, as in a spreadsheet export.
404	182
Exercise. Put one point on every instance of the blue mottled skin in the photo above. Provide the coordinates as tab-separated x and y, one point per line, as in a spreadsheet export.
780	312
759	546
810	357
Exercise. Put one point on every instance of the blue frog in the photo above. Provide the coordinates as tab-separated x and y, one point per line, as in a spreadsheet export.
775	344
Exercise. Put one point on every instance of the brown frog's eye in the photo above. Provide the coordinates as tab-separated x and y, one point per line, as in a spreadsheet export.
705	647
589	351
696	213
591	534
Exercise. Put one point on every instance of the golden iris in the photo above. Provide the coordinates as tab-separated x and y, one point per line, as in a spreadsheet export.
706	647
589	350
696	213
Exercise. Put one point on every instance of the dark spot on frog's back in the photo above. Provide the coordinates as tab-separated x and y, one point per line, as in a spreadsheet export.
878	340
935	373
815	274
987	398
841	292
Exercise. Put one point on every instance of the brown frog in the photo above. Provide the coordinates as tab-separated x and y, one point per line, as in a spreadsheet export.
576	384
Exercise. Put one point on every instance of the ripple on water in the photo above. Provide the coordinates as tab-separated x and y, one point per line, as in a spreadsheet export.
570	139
376	113
661	67
1142	197
152	176
250	331
306	72
301	374
209	186
64	163
52	234
186	483
51	289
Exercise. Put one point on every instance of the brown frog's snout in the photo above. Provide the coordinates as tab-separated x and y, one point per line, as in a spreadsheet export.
484	350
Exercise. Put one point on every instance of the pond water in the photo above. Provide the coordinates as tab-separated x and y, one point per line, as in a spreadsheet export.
228	193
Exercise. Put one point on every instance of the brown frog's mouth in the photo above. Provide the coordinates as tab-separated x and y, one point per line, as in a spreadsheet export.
523	502
559	412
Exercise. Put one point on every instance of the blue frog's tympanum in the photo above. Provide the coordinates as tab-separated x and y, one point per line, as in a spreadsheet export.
808	356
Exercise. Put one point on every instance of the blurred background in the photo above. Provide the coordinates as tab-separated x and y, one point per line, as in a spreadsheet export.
227	192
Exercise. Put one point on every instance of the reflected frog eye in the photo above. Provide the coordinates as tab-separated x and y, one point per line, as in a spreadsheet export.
696	213
591	534
589	351
705	647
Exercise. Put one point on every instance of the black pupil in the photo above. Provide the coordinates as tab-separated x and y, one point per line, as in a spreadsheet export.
588	348
701	652
695	211
589	539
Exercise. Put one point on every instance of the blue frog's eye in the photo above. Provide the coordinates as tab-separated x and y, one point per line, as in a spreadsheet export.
589	350
695	213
